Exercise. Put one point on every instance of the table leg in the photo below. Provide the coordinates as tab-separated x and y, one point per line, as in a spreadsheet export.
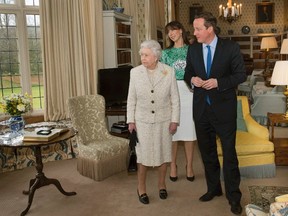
41	180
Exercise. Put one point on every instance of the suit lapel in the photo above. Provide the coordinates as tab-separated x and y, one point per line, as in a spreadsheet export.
217	54
200	61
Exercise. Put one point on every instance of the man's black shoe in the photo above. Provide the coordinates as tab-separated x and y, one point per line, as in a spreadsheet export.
236	208
209	196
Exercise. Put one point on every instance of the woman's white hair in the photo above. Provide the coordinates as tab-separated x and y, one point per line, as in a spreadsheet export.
154	46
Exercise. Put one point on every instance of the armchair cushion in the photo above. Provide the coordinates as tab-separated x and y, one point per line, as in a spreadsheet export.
249	144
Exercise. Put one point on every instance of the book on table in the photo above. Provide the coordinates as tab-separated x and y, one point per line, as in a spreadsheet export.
33	136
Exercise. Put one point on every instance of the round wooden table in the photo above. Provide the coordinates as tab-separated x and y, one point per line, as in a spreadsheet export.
40	179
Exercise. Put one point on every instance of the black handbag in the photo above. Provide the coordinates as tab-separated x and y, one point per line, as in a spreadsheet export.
132	166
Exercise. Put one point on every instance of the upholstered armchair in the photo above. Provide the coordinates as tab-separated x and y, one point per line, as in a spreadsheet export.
254	150
267	99
100	154
245	88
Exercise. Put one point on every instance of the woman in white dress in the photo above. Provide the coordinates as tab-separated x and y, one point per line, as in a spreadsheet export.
153	111
175	56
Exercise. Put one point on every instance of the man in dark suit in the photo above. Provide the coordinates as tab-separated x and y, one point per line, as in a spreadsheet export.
215	105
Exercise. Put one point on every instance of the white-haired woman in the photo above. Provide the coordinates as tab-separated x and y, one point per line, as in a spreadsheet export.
153	111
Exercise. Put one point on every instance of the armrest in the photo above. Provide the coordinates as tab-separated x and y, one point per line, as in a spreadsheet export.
255	128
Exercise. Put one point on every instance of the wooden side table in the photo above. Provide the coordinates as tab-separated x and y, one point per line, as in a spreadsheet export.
280	144
281	151
274	118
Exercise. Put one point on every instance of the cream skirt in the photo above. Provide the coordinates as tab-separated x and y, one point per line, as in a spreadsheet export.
155	143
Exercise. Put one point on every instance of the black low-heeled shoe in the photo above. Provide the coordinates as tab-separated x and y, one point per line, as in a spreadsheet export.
163	194
143	198
192	178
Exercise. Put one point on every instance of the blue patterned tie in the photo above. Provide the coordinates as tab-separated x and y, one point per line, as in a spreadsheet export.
208	68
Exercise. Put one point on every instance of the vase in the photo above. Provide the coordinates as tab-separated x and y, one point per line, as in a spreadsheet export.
16	123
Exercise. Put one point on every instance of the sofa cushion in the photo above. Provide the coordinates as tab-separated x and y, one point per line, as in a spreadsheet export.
241	125
252	210
278	209
282	198
249	144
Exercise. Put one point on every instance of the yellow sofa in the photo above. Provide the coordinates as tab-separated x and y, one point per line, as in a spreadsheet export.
254	150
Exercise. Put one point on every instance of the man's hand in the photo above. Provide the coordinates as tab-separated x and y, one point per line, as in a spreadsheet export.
197	81
210	84
206	84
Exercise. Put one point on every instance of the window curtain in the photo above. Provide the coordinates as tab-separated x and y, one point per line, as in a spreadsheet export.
72	51
171	10
155	12
150	20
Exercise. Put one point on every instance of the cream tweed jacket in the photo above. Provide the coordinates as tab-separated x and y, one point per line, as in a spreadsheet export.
153	102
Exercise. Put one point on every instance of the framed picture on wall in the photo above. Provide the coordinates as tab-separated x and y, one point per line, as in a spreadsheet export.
195	9
265	12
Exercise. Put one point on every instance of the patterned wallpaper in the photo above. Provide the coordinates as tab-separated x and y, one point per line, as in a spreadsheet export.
248	16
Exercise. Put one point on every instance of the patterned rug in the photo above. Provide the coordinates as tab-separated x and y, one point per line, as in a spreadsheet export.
262	196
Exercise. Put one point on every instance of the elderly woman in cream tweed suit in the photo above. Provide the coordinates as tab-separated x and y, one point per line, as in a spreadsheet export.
153	111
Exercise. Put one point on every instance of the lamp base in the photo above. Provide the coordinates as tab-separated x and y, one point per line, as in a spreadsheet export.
286	94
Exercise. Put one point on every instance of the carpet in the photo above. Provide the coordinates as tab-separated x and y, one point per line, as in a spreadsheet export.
263	196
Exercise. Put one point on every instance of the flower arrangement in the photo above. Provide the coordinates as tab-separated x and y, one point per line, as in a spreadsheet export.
16	104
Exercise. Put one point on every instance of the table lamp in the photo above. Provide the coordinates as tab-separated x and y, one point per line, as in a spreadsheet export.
284	47
268	43
280	77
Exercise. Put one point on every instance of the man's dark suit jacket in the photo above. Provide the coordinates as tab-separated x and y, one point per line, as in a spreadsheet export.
229	70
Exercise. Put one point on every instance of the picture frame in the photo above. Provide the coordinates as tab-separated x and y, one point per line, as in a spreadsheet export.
193	10
265	12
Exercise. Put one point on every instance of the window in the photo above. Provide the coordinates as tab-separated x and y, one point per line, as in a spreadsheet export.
20	50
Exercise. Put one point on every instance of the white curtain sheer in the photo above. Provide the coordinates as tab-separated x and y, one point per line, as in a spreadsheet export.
72	51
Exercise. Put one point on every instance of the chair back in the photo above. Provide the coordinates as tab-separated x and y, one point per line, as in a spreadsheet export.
87	114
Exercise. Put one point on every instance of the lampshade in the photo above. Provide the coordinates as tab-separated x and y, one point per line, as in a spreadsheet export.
284	47
268	43
280	73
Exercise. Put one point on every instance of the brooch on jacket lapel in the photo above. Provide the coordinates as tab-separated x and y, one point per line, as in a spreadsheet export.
164	72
